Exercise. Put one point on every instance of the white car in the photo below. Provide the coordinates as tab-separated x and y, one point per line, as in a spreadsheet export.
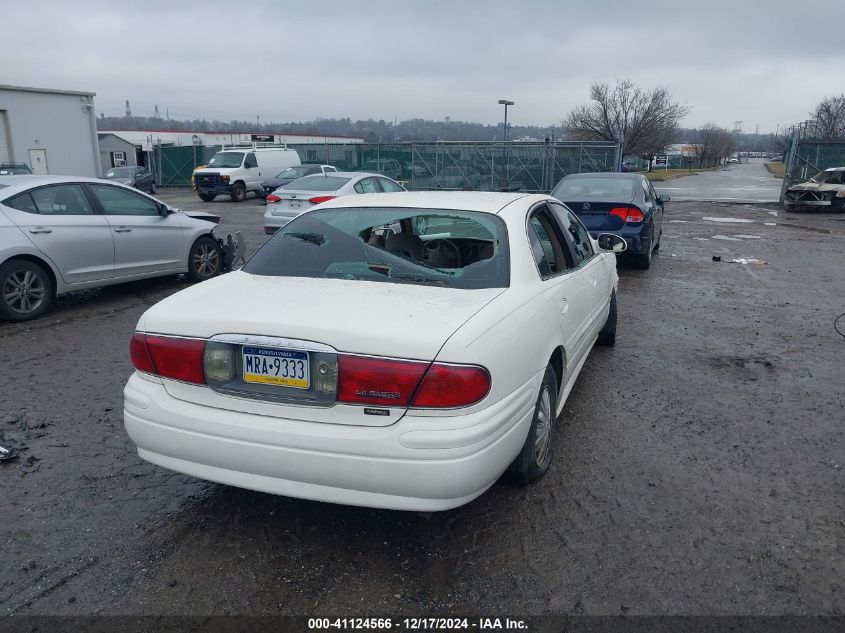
287	202
60	234
392	350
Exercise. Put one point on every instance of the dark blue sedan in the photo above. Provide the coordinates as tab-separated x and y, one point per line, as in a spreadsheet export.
624	204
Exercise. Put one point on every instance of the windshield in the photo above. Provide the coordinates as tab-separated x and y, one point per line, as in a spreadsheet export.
120	172
317	182
226	159
829	177
295	172
454	249
609	187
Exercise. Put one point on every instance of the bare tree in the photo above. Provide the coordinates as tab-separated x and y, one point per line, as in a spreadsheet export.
713	145
642	120
828	119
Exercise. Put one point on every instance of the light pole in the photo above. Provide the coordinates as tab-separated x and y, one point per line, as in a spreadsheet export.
506	103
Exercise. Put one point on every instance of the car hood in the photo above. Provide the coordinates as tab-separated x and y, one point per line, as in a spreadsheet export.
816	186
364	317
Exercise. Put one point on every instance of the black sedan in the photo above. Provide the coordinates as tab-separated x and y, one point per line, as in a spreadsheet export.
293	173
138	177
624	204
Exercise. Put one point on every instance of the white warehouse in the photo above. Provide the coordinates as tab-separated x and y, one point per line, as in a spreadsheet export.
52	131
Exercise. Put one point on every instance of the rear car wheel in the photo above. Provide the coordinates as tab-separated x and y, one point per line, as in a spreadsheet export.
152	187
205	259
642	261
25	290
607	335
238	192
536	455
207	197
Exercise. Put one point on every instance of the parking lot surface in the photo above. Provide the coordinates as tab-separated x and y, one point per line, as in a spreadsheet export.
698	467
744	182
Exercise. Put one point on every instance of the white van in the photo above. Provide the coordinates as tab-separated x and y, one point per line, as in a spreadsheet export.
234	171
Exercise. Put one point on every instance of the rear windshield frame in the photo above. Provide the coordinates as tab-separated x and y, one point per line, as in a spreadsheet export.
291	246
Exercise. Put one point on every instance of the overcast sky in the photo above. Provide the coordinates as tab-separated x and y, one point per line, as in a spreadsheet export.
762	63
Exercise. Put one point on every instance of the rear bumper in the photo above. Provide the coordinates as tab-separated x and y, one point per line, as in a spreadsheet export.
215	189
276	217
420	463
809	204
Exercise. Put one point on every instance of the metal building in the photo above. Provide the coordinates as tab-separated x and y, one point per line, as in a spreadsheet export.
52	131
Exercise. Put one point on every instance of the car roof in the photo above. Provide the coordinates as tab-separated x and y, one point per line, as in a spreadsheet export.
606	174
483	201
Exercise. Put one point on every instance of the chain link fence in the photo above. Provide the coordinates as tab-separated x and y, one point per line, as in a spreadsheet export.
530	167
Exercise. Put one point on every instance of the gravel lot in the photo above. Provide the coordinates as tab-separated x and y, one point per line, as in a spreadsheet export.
699	463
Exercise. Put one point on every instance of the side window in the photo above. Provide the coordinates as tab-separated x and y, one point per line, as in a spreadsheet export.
250	161
545	244
368	185
575	233
388	185
120	202
329	169
22	202
61	200
647	191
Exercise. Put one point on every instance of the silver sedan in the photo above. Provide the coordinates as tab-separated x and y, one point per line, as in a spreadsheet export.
287	202
61	234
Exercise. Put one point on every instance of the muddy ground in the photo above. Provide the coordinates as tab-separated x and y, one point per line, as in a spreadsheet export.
698	468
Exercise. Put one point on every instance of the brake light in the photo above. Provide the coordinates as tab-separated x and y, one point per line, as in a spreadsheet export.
273	198
177	358
450	386
363	380
631	215
319	199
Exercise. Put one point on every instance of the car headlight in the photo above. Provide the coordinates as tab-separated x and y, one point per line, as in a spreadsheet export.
224	178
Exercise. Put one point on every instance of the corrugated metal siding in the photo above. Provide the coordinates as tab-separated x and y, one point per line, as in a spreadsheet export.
4	142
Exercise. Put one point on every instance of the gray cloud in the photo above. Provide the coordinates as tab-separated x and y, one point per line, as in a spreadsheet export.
755	62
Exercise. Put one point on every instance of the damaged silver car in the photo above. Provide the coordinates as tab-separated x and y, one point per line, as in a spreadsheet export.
824	191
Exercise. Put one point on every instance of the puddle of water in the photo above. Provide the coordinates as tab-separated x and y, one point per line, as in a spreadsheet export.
774	213
770	223
701	239
727	238
730	220
751	237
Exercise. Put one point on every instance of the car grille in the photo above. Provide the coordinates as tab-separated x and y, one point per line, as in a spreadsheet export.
207	180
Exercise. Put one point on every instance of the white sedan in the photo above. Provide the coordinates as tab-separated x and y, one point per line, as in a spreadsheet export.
296	197
392	350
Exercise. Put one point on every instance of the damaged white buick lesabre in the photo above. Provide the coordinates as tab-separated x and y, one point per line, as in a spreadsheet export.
388	350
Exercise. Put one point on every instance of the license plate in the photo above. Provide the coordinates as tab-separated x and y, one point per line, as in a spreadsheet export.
295	204
283	367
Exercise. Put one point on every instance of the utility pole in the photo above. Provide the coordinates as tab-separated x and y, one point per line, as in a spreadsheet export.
128	111
506	103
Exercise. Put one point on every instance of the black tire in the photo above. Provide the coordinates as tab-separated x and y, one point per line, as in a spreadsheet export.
837	205
659	237
152	187
205	259
535	457
238	192
607	335
26	290
642	261
207	197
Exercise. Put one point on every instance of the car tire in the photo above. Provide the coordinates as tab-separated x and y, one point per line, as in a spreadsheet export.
642	261
21	275
659	237
607	335
207	197
205	259
535	457
837	205
238	192
152	188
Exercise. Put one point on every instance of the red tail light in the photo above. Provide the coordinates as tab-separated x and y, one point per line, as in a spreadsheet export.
630	215
319	199
362	380
177	358
273	198
450	386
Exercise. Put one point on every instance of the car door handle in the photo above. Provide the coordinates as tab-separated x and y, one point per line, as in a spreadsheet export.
40	229
122	229
564	306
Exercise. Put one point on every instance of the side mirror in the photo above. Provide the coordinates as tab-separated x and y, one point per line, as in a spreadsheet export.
163	210
663	198
611	243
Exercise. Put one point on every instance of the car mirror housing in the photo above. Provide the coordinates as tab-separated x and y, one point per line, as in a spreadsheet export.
663	198
611	243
